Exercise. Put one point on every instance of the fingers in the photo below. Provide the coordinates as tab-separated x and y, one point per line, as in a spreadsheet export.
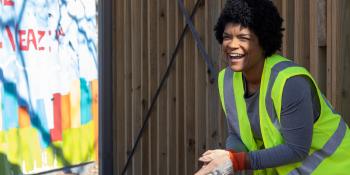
214	160
204	170
205	159
207	152
208	168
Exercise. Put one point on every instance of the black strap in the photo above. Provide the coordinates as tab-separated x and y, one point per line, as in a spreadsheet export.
212	71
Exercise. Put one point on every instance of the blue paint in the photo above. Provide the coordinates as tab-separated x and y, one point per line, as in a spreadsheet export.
85	102
9	106
40	122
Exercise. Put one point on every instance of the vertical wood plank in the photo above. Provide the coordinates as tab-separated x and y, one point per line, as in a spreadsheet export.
153	83
127	79
314	50
329	50
345	56
120	148
189	102
301	43
162	99
334	52
171	91
322	53
200	90
288	24
146	163
136	82
180	114
322	22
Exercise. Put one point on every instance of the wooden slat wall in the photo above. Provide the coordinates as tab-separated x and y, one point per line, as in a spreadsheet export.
188	119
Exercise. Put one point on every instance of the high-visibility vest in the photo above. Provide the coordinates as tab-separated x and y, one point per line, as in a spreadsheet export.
330	148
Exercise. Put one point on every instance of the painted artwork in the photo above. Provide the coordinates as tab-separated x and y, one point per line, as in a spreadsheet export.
48	84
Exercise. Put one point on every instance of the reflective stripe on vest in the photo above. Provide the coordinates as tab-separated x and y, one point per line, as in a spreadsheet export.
237	115
230	102
268	100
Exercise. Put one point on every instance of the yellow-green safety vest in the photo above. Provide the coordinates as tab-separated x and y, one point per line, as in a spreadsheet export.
330	148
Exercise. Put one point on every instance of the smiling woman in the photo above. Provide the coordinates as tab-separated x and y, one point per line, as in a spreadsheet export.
278	120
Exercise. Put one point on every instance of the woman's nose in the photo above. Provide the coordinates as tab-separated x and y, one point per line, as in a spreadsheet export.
234	44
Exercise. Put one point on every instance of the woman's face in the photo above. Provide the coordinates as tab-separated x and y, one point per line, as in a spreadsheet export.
241	49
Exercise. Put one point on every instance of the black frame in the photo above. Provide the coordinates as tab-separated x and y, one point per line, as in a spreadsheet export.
105	132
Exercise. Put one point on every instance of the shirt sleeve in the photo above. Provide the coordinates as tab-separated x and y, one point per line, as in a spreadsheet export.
233	142
297	117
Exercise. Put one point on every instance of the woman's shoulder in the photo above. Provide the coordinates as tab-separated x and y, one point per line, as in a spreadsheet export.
296	89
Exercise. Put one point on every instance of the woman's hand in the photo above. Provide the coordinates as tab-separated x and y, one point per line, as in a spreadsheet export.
216	162
210	155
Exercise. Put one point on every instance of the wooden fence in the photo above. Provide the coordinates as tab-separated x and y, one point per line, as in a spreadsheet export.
188	119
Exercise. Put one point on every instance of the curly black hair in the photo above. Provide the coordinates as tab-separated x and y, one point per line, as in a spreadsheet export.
259	16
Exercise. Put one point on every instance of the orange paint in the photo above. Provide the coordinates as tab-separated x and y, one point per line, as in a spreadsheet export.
94	111
74	99
23	117
65	111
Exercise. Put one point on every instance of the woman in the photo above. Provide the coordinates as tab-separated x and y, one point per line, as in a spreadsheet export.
278	120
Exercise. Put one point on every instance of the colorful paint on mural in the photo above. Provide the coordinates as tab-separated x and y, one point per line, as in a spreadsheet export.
48	84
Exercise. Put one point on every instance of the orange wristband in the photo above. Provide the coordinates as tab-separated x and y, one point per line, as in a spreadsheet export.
238	160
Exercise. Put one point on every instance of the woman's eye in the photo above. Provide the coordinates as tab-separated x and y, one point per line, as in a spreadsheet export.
244	38
226	37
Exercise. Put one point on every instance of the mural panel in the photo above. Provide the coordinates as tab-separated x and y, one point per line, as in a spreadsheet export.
48	84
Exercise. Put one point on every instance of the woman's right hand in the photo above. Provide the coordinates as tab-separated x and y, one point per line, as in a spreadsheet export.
216	162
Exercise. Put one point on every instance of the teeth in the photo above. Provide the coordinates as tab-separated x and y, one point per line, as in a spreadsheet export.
235	55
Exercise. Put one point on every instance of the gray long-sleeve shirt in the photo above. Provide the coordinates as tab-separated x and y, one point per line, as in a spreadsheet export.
300	109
